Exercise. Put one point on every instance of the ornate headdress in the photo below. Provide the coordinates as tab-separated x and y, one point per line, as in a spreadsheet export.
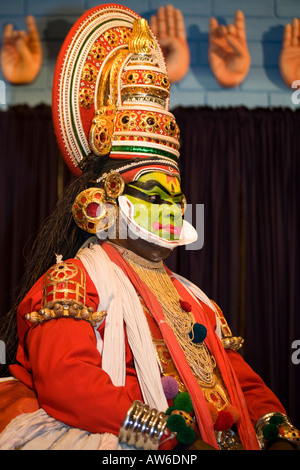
111	94
111	100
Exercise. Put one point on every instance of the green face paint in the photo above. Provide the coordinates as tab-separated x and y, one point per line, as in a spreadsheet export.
158	204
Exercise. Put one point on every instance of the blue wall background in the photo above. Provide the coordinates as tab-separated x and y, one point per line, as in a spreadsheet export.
265	21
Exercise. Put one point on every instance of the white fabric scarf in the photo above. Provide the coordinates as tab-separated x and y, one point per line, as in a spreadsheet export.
119	298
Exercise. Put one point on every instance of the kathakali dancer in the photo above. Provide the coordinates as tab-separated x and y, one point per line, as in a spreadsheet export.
115	351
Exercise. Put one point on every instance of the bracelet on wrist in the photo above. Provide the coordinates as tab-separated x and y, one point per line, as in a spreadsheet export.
275	426
142	427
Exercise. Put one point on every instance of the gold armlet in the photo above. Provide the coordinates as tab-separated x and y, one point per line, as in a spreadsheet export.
66	310
232	342
275	426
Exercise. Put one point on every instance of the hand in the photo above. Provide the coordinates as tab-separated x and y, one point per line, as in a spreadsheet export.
200	445
281	444
168	27
228	53
21	53
289	59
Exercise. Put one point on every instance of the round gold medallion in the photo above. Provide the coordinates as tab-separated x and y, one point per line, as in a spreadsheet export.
114	185
93	212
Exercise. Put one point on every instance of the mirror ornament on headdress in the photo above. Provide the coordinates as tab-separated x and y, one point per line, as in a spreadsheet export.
102	129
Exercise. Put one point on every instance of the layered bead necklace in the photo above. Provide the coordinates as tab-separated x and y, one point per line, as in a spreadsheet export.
177	315
190	336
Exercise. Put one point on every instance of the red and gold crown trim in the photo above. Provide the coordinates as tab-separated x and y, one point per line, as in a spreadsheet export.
110	86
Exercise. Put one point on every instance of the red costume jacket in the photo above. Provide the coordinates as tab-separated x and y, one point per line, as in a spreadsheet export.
59	361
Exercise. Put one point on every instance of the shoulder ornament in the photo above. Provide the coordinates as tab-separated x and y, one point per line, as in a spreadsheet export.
64	296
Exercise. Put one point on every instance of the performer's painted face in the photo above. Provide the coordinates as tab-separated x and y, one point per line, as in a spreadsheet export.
158	204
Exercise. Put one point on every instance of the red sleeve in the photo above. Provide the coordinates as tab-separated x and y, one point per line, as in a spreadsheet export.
32	302
259	398
60	361
70	384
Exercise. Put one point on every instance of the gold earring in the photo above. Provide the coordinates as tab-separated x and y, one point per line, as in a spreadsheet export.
93	211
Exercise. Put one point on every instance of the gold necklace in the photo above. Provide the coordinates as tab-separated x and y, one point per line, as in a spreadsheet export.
156	278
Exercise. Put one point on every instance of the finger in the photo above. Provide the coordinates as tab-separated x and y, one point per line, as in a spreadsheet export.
180	26
16	35
223	30
170	19
153	24
34	42
295	32
297	40
7	31
22	33
22	48
232	30
162	22
237	47
214	30
239	22
31	27
287	36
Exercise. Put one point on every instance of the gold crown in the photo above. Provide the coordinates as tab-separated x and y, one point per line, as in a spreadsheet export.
111	91
133	114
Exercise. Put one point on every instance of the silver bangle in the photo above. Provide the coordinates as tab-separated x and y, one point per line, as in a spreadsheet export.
142	427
